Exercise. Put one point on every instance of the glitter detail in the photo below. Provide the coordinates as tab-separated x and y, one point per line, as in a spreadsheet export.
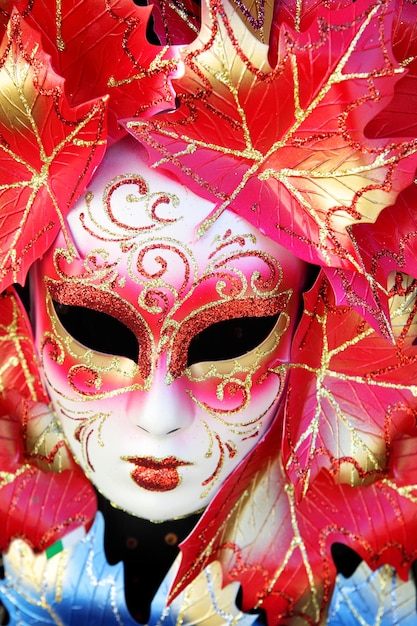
171	16
32	86
282	162
105	302
163	264
231	448
119	192
200	320
53	348
211	480
394	375
260	8
19	365
158	475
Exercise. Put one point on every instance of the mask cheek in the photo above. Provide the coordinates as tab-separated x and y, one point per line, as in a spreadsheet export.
243	389
238	398
74	370
59	368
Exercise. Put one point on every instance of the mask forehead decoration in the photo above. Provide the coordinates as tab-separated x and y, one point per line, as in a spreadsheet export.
279	135
160	264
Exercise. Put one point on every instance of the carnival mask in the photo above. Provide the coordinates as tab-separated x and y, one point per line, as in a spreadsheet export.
163	353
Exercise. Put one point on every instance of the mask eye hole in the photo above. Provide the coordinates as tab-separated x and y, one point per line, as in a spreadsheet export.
229	339
98	331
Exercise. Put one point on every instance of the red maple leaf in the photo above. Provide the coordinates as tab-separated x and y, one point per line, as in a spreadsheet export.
100	48
205	84
350	391
19	368
279	549
348	432
285	146
48	150
38	506
399	116
386	247
176	22
299	15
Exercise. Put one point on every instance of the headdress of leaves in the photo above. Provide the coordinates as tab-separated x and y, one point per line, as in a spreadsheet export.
303	139
63	88
300	137
293	136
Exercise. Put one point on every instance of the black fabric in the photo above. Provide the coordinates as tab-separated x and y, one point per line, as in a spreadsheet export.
147	550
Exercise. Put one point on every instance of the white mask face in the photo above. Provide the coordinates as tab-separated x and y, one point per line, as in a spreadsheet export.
161	351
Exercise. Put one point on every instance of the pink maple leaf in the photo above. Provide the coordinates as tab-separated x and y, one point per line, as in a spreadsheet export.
350	391
285	146
279	548
176	22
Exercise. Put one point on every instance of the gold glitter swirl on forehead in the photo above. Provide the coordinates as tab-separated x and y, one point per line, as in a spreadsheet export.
149	265
124	196
95	268
229	238
237	284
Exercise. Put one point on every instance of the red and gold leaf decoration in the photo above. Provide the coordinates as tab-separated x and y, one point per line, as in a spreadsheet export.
19	369
300	117
179	21
101	49
289	141
389	244
63	88
279	549
63	499
348	471
48	150
350	391
176	22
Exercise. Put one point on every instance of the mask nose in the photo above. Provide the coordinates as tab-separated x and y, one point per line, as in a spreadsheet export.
164	409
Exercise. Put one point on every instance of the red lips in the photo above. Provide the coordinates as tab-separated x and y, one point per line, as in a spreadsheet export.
156	474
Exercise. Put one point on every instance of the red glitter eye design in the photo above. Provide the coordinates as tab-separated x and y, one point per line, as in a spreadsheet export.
229	339
225	331
101	321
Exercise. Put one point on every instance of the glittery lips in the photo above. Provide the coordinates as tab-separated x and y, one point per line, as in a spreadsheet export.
156	474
